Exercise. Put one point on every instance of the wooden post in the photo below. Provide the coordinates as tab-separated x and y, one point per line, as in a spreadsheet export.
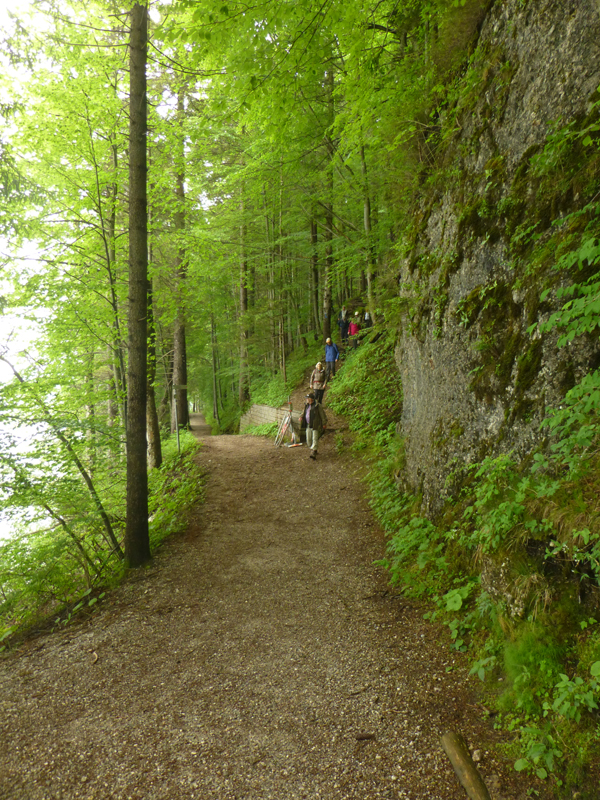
456	749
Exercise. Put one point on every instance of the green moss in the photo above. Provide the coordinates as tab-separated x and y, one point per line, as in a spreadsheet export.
528	366
532	662
484	303
444	432
475	219
506	352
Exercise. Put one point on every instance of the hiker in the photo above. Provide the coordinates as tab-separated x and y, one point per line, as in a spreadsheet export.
332	355
314	421
368	320
354	329
342	322
318	381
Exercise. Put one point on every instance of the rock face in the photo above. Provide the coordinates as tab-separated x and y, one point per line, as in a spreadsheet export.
486	238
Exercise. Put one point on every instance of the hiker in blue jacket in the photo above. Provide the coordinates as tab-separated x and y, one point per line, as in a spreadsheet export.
332	354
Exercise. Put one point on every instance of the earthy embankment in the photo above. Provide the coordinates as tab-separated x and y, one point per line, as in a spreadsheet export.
260	656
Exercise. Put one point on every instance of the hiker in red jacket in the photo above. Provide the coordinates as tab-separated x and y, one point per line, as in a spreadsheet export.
354	329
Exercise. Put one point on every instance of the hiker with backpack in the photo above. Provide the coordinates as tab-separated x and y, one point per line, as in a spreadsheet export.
318	381
332	355
314	421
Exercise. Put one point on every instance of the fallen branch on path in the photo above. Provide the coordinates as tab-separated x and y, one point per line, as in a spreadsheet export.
456	749
365	737
359	691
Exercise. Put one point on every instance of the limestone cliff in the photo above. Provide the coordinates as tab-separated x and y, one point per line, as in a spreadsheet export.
486	236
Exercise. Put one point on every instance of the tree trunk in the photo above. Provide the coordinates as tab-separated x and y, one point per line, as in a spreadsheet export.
371	255
244	382
215	378
152	426
111	260
91	416
137	542
316	325
180	379
270	258
327	277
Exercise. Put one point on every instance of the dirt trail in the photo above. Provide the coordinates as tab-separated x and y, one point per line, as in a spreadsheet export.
260	656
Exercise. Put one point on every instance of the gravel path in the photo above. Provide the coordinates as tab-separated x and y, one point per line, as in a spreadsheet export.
261	656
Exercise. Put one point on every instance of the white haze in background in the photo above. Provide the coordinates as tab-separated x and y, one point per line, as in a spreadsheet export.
16	333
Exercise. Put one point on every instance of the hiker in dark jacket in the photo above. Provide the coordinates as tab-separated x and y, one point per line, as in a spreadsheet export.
343	322
314	421
332	354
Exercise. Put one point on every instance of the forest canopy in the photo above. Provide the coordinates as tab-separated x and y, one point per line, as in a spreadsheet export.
283	142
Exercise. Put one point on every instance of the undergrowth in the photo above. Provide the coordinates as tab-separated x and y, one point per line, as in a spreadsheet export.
273	390
266	429
369	394
44	578
512	565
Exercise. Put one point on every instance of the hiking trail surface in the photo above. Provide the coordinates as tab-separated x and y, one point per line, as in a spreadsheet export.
261	656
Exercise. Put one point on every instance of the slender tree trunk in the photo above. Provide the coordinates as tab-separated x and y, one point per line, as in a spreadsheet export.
316	326
328	274
137	541
215	379
244	382
180	378
284	301
87	561
111	259
118	363
283	359
152	426
371	255
270	259
91	416
113	404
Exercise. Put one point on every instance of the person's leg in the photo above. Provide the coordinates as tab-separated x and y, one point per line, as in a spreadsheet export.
312	437
315	442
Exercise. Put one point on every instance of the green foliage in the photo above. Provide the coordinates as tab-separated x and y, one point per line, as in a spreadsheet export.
532	664
293	128
266	429
175	488
534	525
368	392
43	572
541	751
272	390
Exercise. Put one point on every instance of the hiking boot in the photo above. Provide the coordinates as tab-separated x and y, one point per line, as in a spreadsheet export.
313	454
